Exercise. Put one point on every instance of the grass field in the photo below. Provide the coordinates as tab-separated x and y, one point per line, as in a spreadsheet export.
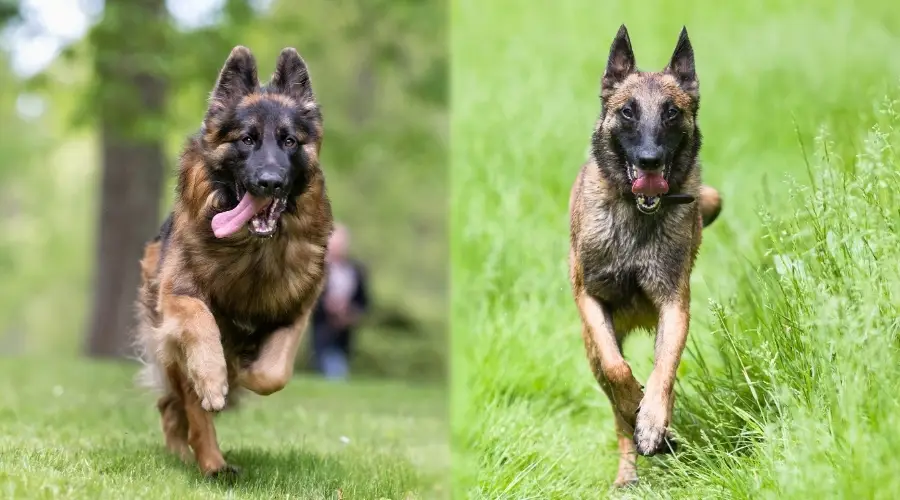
76	429
787	391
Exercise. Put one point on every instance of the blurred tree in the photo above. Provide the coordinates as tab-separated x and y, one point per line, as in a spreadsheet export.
130	95
9	9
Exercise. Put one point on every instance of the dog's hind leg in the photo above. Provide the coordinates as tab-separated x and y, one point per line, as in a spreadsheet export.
201	432
651	434
615	378
274	365
627	474
174	423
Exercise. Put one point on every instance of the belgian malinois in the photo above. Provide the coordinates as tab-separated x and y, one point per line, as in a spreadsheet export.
637	210
230	281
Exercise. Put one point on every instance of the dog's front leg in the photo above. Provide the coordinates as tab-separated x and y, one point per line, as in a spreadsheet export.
273	367
651	434
192	329
615	378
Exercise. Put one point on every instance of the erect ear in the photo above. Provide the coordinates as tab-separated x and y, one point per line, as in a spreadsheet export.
682	64
291	76
237	79
621	60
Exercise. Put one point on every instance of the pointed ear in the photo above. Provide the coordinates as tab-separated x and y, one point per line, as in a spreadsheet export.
621	60
237	79
291	76
682	64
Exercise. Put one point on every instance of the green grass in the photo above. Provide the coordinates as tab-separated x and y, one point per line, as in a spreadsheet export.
803	405
78	429
528	418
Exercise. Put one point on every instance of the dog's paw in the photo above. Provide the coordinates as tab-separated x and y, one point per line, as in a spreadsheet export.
225	473
212	396
650	434
209	378
625	482
654	441
626	477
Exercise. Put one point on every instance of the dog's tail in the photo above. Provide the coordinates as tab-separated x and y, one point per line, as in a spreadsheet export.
710	205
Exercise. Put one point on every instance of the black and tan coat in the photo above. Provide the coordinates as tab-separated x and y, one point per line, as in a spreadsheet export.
630	265
218	314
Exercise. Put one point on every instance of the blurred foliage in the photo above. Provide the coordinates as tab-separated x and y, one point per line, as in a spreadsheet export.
9	9
118	59
379	69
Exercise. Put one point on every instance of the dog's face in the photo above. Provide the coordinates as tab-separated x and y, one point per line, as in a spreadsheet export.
647	137
261	143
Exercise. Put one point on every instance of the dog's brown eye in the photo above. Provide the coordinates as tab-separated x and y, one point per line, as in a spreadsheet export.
672	113
247	140
627	113
290	142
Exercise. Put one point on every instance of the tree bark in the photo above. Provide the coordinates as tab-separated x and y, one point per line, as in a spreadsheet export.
131	95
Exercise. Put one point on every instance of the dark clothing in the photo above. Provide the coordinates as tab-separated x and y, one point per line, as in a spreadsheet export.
326	337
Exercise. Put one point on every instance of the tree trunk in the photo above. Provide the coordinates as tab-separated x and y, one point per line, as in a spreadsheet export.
130	100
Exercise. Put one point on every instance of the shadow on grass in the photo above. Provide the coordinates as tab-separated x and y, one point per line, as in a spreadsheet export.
289	473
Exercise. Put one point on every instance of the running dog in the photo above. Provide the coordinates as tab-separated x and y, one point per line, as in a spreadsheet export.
637	210
229	283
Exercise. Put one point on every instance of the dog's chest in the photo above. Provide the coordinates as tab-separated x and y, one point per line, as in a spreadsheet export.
242	338
629	262
266	283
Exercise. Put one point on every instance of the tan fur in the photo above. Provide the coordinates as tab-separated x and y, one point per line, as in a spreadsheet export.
631	271
593	205
273	367
710	204
249	277
649	88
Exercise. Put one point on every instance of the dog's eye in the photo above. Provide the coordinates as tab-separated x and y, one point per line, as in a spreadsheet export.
672	113
627	113
290	142
247	140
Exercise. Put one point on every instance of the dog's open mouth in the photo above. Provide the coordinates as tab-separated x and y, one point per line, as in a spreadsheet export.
648	204
266	221
261	212
648	188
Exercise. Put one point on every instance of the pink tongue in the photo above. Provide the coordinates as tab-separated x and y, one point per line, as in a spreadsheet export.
650	184
227	223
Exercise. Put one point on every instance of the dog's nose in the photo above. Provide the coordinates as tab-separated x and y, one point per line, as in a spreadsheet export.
650	159
271	182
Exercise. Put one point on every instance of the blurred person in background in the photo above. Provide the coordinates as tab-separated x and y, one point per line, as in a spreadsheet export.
340	309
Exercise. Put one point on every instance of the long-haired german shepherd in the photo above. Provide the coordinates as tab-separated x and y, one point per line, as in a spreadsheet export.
230	281
637	210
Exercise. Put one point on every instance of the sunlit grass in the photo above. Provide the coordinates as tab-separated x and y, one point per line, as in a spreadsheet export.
77	429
